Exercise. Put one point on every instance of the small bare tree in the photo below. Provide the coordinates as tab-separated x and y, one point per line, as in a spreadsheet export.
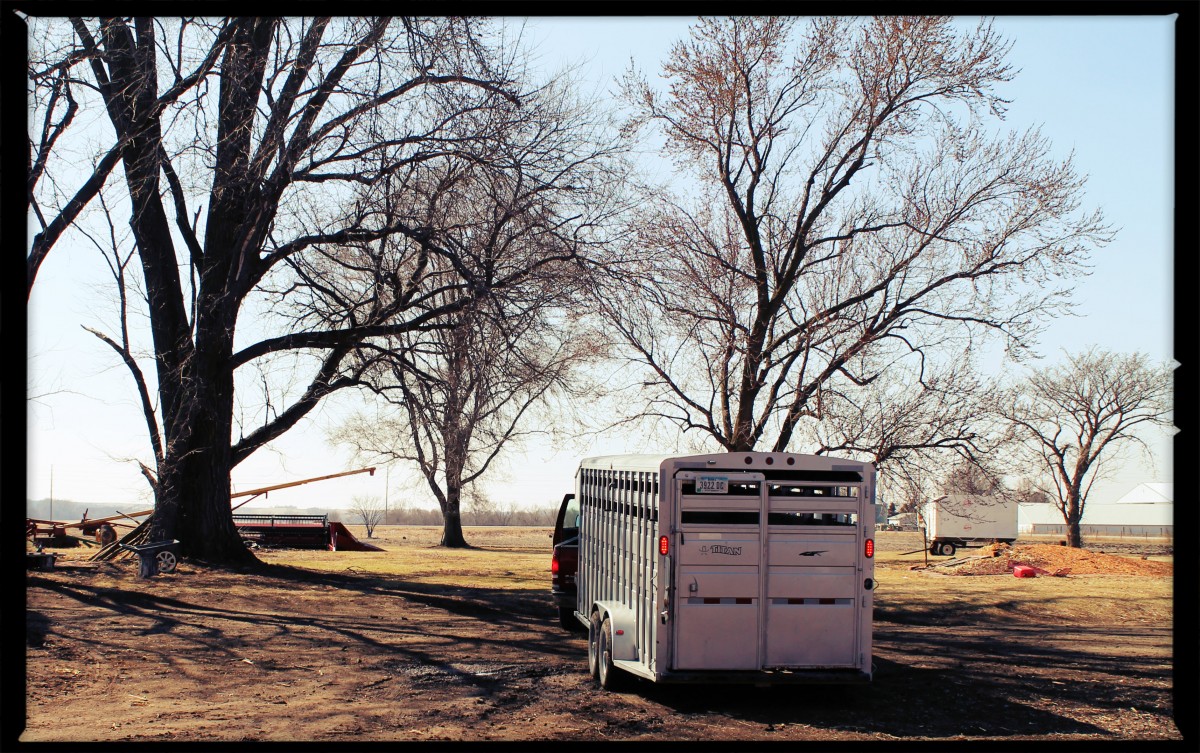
971	478
458	397
1074	419
368	511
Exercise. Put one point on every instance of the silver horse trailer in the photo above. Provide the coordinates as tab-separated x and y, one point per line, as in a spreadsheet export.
747	567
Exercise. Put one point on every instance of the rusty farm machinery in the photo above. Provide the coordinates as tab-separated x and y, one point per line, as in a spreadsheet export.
296	531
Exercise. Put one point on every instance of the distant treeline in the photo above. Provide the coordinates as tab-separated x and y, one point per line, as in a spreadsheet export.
498	515
69	511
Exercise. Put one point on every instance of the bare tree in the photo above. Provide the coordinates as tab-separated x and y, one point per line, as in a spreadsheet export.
843	206
253	151
368	511
915	424
457	395
1074	418
1027	492
57	190
971	478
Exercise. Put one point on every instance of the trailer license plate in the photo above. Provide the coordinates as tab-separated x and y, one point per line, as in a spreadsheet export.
712	485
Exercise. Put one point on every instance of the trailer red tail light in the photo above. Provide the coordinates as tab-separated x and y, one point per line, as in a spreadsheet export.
663	546
869	549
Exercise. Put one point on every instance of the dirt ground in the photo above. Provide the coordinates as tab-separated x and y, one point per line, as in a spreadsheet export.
417	643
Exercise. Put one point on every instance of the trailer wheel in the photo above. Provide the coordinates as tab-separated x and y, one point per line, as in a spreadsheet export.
593	647
166	561
947	549
611	678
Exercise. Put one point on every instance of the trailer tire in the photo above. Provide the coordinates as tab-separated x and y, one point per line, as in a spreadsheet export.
593	647
610	678
946	549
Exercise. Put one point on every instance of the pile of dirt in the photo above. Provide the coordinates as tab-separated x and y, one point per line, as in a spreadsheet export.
999	559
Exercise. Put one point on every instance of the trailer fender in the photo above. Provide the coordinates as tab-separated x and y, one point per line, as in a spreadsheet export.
623	647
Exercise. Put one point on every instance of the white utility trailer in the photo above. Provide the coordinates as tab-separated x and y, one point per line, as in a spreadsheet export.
954	521
734	567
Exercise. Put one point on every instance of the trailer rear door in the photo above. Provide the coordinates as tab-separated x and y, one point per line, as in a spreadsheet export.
811	604
718	579
766	574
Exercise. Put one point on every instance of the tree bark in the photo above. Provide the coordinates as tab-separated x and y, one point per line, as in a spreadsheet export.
452	532
1074	513
198	454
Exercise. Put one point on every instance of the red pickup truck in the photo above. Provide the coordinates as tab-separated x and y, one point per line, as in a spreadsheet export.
564	562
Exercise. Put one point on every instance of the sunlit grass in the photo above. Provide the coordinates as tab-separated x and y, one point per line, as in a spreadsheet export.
518	559
412	554
1099	598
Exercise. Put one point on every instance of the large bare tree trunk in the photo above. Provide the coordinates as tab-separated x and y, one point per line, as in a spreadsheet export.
204	455
452	532
1073	516
195	377
455	441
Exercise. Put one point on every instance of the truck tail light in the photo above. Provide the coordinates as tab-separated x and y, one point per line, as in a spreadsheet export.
869	548
663	545
554	562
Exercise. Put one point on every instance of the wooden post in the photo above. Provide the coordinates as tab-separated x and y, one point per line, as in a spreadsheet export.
147	565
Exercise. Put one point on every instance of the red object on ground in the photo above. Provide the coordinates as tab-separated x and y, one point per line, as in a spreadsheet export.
1024	571
340	539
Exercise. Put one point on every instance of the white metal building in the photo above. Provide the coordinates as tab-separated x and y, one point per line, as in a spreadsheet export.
1146	512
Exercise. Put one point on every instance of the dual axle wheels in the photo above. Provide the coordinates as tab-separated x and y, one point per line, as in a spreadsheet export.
600	661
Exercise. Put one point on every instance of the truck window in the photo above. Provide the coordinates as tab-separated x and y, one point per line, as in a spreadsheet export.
571	518
567	524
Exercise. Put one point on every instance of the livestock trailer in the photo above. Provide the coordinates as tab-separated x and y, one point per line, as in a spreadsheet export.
747	567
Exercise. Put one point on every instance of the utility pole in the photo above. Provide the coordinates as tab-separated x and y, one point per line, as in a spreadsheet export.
387	478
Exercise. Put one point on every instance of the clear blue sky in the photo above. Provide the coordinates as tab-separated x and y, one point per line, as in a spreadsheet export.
1100	86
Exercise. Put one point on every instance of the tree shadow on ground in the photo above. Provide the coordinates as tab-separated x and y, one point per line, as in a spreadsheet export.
901	701
966	680
225	630
931	680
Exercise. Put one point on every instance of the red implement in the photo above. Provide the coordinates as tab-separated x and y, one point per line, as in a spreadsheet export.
341	540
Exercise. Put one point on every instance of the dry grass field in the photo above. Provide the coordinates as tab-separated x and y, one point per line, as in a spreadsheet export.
419	643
